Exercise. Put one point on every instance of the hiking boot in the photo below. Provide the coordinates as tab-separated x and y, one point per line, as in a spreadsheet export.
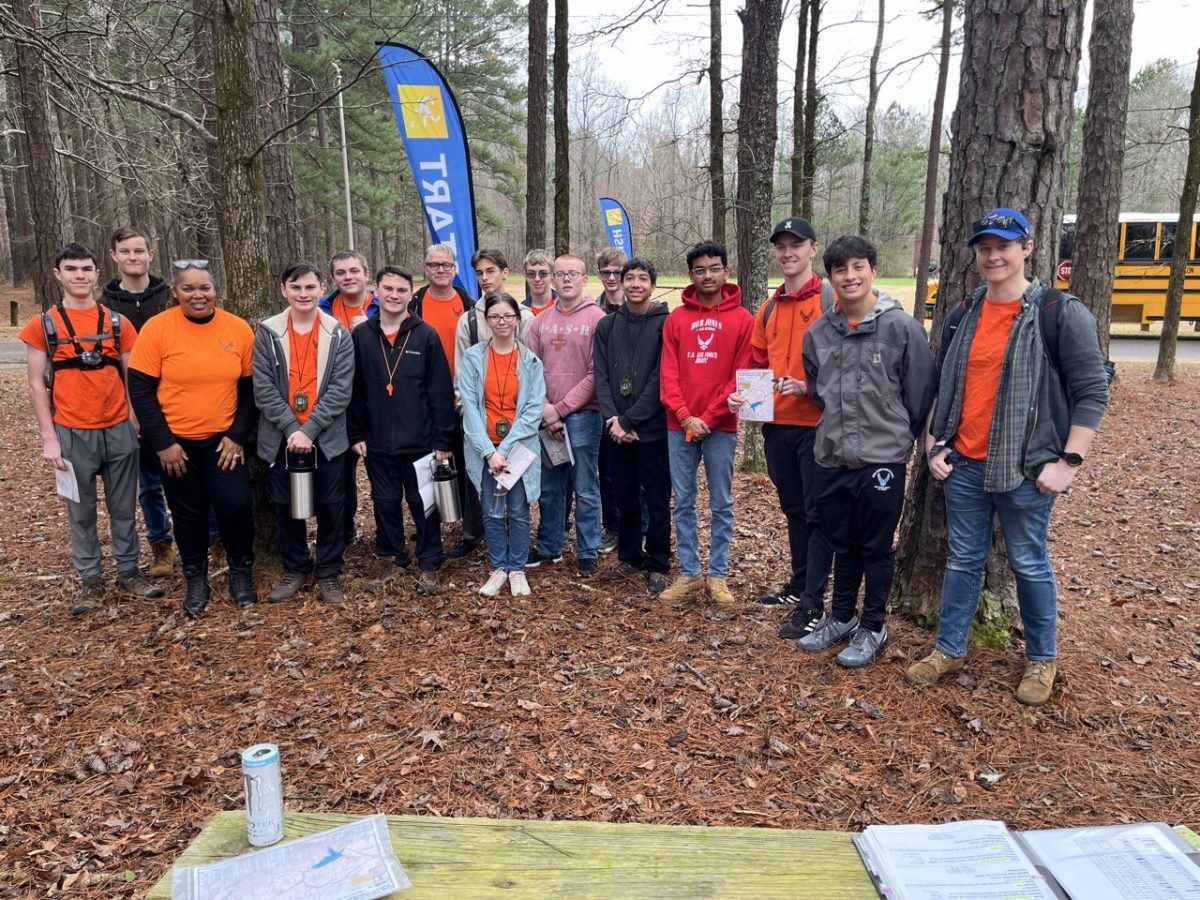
461	549
289	586
162	559
656	582
683	587
1037	684
195	601
428	584
718	588
782	598
828	634
139	585
329	591
536	558
241	586
928	670
497	580
620	572
518	584
216	554
803	622
608	541
91	593
864	647
587	567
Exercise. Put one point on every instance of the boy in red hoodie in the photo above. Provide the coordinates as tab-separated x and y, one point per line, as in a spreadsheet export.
705	342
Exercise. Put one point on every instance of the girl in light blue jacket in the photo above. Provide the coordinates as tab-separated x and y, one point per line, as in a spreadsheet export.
503	391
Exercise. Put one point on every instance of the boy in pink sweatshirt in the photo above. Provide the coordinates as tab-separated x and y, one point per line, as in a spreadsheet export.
705	342
562	337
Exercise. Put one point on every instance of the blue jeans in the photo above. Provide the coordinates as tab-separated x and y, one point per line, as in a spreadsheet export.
716	451
583	428
1025	521
150	496
505	524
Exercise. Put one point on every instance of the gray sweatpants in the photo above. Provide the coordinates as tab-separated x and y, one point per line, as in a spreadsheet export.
111	453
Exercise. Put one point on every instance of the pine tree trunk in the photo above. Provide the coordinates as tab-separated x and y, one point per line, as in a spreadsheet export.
562	133
810	111
208	244
797	160
535	132
1011	128
864	194
716	124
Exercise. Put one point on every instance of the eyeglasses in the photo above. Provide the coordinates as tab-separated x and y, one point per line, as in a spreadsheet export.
610	273
182	264
568	276
440	266
537	274
999	221
502	317
700	271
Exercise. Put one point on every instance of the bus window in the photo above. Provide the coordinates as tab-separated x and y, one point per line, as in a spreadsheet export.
1196	245
1140	238
1066	244
1167	248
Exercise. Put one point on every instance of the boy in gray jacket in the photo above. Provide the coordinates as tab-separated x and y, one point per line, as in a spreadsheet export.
869	369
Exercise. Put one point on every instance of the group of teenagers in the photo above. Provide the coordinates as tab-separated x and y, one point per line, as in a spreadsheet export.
159	386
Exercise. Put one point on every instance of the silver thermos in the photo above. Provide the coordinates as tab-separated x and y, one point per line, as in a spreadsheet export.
445	491
301	469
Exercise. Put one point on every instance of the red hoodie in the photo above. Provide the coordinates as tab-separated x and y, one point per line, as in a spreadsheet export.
703	347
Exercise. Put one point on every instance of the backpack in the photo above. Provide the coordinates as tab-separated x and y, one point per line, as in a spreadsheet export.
1051	305
81	359
827	301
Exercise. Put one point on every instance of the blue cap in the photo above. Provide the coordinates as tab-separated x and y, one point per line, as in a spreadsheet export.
1009	224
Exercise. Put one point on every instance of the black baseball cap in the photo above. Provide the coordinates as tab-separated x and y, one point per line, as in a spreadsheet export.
796	227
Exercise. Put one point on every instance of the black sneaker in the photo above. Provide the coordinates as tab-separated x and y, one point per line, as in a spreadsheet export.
656	582
608	541
802	623
620	572
586	568
782	598
461	549
536	558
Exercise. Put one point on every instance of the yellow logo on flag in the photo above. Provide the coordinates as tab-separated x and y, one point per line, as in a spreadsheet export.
614	216
424	114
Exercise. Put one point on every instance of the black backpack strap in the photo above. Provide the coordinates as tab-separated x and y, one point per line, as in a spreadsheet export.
50	333
1053	301
473	326
767	312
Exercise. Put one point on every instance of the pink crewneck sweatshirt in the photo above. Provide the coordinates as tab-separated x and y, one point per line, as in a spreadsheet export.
563	341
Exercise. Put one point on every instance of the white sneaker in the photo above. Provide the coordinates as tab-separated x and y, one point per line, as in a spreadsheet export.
495	581
518	584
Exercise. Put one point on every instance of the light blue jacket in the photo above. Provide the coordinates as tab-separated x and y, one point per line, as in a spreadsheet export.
531	396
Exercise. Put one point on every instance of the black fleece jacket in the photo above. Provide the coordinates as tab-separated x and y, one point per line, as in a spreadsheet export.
137	308
626	344
418	415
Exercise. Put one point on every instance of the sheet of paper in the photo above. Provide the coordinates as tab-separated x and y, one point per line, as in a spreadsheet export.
758	388
65	482
353	862
1121	862
977	860
519	460
424	467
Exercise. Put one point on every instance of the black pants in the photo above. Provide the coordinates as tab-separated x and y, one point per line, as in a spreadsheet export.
328	486
227	492
859	510
641	471
789	453
610	507
472	511
393	479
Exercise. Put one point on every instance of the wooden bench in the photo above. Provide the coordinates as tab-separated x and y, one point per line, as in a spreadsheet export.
460	858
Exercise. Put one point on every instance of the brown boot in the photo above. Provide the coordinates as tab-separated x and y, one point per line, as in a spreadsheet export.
718	588
932	668
1037	684
683	587
162	559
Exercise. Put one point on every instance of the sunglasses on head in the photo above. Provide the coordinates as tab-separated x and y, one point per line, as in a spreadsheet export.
999	221
182	264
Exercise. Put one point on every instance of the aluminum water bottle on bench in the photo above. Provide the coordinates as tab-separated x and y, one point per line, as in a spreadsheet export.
445	491
263	782
302	468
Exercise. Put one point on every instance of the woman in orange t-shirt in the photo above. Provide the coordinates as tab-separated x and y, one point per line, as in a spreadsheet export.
190	383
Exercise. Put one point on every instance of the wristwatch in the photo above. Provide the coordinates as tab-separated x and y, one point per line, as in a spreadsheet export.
1074	460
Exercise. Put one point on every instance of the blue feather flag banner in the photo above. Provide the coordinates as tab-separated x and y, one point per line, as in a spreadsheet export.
616	224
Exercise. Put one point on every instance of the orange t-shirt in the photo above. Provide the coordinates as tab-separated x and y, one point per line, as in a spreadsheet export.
198	367
345	314
984	362
783	339
500	390
443	315
538	310
302	369
85	398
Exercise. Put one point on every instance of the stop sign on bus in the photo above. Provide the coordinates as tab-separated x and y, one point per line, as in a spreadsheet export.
1064	271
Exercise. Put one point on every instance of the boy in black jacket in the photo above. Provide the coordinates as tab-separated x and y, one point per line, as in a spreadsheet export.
402	408
627	351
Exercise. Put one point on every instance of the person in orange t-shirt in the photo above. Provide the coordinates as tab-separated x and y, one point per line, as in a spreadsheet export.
84	421
777	344
190	385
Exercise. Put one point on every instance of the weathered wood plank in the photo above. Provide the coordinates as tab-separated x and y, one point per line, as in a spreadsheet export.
510	858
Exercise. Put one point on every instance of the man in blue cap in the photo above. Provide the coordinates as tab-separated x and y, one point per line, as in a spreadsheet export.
1022	389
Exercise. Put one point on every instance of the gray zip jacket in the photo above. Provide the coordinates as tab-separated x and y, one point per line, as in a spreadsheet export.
874	385
326	423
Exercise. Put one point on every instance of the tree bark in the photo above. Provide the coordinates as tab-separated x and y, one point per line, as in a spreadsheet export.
535	130
1164	369
932	159
208	245
716	123
864	195
810	111
1101	164
562	133
1011	127
797	161
43	177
